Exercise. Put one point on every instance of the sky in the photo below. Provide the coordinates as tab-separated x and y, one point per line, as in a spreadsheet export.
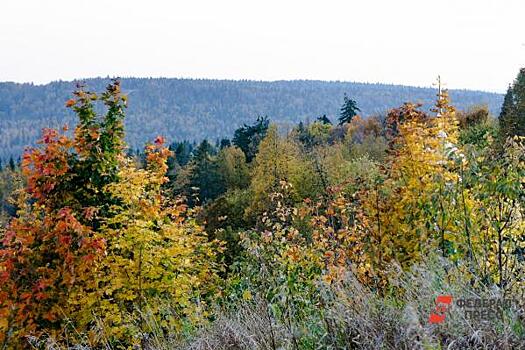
473	44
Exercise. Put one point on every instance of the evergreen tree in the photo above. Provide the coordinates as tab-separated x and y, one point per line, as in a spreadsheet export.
349	110
248	137
224	143
324	120
183	152
512	116
12	165
518	115
205	177
505	116
303	135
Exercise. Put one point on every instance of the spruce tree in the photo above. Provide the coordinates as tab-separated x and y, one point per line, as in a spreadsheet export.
12	165
349	110
248	137
519	105
505	116
512	116
205	175
324	120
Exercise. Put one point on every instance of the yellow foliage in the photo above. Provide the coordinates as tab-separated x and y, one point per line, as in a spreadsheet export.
159	265
403	215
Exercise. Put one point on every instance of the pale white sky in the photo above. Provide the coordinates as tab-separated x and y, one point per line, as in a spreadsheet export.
476	44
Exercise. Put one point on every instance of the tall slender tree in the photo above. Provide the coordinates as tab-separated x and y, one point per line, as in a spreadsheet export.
519	104
505	116
349	110
12	165
512	116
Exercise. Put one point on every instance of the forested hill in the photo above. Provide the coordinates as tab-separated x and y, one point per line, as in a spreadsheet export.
196	109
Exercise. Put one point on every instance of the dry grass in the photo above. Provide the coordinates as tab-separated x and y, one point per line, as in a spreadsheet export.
353	316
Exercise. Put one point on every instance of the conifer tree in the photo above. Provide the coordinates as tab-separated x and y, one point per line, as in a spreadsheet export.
324	120
205	176
12	165
519	105
248	137
512	116
349	110
505	116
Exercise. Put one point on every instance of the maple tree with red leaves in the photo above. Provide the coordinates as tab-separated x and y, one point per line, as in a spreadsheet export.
49	250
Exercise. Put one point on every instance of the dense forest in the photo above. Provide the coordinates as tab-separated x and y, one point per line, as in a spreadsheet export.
398	230
188	109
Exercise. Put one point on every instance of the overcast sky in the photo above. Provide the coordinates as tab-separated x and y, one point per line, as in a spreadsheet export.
476	44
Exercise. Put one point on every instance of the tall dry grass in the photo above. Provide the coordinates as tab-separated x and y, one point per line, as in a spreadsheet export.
354	316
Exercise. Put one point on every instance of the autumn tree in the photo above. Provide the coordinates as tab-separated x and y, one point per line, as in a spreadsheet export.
272	165
50	249
397	116
280	159
408	214
96	239
233	168
496	213
313	141
473	117
158	260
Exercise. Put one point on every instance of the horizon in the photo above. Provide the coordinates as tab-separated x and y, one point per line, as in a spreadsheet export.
432	86
473	45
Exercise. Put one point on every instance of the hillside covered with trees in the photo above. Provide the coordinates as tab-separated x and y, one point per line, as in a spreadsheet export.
189	109
341	232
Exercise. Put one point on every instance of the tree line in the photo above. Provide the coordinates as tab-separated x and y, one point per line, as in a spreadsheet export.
193	109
